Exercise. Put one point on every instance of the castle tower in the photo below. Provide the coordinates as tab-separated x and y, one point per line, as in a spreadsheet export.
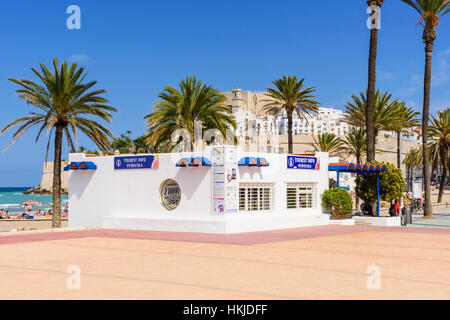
236	99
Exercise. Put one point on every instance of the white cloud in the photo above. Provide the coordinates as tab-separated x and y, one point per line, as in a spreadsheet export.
435	107
80	59
384	75
439	76
416	78
408	91
441	68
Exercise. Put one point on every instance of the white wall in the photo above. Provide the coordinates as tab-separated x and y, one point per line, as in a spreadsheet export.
133	193
131	198
278	174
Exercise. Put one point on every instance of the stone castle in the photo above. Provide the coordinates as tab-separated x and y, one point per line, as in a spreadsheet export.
46	185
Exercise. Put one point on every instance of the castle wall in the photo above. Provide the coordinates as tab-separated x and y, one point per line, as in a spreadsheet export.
47	177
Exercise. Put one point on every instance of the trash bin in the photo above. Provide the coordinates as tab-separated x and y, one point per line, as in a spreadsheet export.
406	215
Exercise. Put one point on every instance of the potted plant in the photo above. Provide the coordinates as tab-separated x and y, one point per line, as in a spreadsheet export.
338	202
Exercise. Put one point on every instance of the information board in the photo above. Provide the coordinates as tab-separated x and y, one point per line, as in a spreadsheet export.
225	184
302	162
136	162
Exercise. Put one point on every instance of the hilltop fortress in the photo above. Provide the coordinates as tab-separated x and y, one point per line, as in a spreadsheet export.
263	129
46	185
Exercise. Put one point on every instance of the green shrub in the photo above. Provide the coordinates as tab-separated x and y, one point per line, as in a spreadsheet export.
392	184
338	201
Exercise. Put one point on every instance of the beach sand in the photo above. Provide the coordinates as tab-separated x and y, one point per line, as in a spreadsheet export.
31	224
326	262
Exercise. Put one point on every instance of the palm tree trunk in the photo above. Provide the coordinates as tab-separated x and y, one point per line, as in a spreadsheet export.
442	185
428	211
358	160
409	178
290	143
56	219
443	156
399	150
412	177
370	134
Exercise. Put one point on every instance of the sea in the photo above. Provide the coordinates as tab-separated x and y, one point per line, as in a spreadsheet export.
12	199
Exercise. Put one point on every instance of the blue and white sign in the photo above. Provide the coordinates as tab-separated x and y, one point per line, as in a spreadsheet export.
300	162
136	162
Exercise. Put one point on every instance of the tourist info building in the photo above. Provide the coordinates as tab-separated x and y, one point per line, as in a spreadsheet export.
221	190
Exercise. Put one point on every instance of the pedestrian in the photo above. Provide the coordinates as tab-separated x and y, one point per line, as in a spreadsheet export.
397	207
392	211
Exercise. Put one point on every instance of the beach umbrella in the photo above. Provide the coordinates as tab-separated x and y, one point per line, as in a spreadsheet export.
31	202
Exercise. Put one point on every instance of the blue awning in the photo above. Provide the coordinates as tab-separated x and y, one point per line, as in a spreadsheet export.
205	162
357	167
83	165
194	162
253	162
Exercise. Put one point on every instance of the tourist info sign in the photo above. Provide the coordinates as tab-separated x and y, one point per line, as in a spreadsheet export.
136	162
224	180
300	162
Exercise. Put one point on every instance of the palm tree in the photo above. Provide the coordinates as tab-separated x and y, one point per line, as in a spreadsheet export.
385	111
194	103
430	12
439	145
370	116
290	96
64	105
328	142
355	143
405	119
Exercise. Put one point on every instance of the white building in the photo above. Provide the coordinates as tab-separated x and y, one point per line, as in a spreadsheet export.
412	135
248	109
221	190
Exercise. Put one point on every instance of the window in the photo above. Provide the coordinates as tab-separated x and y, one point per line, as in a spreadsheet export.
301	195
255	196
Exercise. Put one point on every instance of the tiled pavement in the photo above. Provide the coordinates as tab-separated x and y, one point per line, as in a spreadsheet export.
329	262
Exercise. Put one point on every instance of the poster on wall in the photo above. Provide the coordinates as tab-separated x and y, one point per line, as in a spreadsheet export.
218	183
136	162
225	186
231	182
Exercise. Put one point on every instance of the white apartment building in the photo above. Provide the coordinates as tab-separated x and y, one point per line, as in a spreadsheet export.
412	135
248	109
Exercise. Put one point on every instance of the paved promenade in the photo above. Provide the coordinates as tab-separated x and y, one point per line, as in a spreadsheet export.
442	219
329	262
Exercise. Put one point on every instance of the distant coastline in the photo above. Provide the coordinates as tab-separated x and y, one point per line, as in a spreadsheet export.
27	190
38	190
14	189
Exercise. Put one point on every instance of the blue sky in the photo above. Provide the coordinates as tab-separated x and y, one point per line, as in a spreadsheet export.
134	48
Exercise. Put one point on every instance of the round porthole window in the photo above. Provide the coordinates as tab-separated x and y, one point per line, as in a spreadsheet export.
170	194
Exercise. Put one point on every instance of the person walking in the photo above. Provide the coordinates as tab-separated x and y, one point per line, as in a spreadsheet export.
394	210
397	207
